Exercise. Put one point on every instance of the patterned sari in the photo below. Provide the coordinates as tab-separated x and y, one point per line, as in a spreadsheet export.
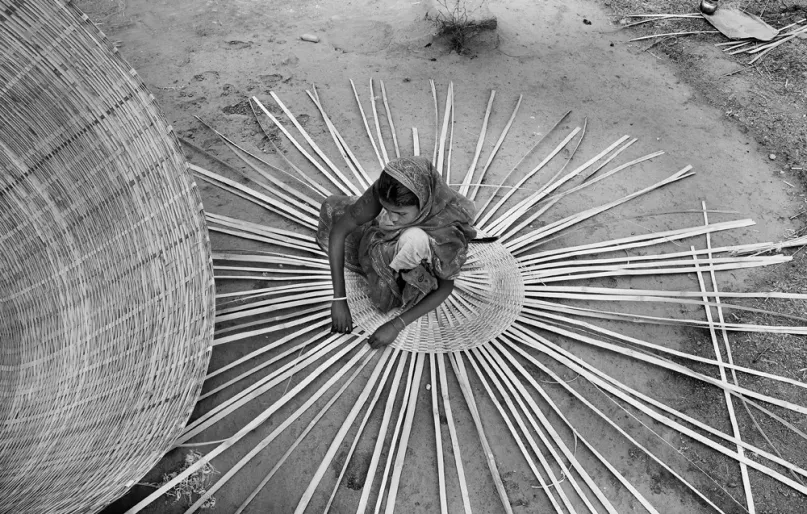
445	215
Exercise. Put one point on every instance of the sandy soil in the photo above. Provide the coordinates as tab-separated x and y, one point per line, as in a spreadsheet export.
206	58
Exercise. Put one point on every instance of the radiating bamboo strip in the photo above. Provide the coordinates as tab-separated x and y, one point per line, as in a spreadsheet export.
381	145
279	237
514	168
483	220
323	305
517	417
436	120
630	242
612	157
415	142
285	424
371	471
723	378
438	438
272	240
358	405
407	430
389	120
266	383
390	364
396	433
527	242
251	301
268	291
311	143
602	380
455	445
287	211
479	143
271	257
495	149
305	432
342	147
350	189
601	415
444	131
450	139
252	333
465	386
660	348
257	421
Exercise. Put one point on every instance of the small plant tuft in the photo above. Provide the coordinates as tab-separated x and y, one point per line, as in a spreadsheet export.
194	486
455	20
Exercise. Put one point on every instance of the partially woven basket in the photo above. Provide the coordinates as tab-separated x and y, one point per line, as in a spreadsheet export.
106	288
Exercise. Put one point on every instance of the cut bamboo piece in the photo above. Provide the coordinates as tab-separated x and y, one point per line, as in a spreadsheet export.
381	145
436	120
342	432
459	370
415	142
252	425
479	143
455	445
450	139
371	471
389	120
438	439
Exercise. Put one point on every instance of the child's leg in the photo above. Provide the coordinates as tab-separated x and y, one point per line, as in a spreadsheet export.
411	250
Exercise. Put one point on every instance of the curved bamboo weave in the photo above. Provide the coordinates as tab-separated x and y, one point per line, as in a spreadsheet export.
106	290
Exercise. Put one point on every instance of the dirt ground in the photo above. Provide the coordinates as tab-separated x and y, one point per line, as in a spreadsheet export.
678	95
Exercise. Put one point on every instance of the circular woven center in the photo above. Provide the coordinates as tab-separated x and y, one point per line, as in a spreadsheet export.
487	298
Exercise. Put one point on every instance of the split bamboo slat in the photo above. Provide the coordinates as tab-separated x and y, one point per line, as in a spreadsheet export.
106	277
522	308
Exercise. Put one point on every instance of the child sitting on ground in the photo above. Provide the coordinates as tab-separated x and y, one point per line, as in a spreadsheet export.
408	235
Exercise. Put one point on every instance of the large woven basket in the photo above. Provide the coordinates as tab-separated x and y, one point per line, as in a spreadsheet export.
106	289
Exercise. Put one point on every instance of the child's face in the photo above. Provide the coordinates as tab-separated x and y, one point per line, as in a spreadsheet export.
400	216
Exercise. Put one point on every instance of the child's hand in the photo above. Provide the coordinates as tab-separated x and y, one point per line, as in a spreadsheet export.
383	336
341	319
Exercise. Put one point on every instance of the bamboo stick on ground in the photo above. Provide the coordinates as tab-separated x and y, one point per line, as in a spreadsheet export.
366	125
495	149
444	131
441	367
389	120
436	121
415	142
381	145
438	439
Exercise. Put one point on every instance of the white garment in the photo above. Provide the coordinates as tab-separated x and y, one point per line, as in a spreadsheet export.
412	248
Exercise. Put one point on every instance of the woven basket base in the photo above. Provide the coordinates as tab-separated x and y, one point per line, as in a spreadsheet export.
487	298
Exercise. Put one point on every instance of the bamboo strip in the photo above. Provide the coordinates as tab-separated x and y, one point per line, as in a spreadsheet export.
323	306
389	120
415	142
258	228
360	430
246	302
444	131
450	139
393	447
630	242
511	379
266	383
661	348
767	48
496	147
270	257
465	387
305	432
371	471
438	438
312	144
252	333
381	145
252	425
518	245
480	141
358	405
484	219
269	240
358	169
342	147
288	212
455	445
668	365
267	291
526	154
286	423
514	412
407	429
614	156
599	413
668	34
346	189
602	380
436	120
